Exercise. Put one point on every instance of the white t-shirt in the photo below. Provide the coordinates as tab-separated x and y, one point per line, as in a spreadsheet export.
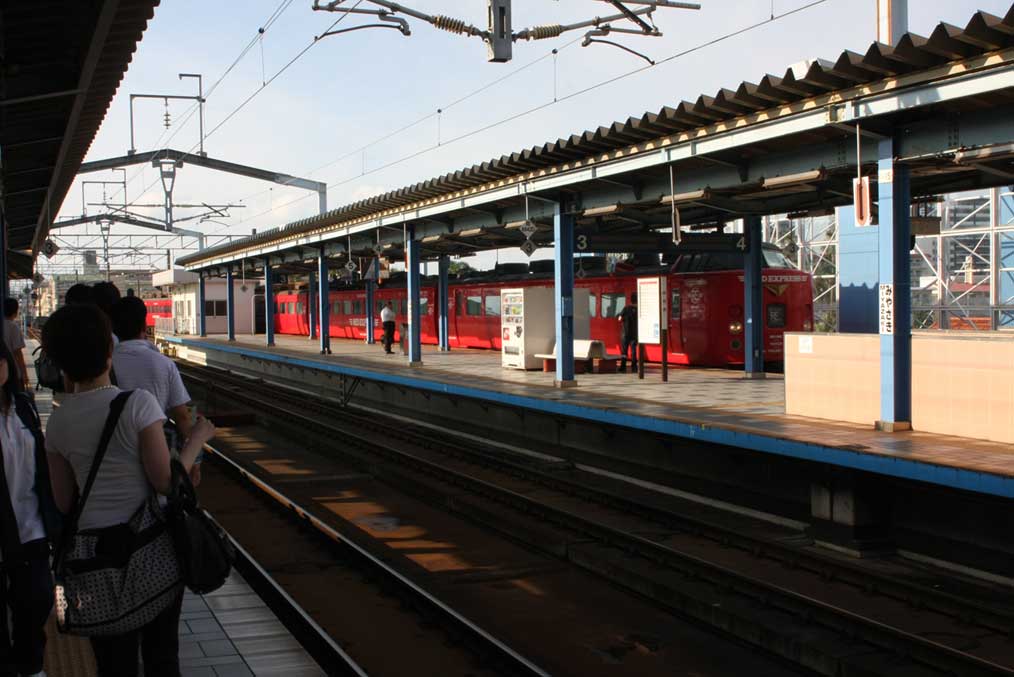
19	466
387	314
140	366
73	432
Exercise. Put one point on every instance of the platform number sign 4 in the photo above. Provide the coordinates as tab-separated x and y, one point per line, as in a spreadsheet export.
741	243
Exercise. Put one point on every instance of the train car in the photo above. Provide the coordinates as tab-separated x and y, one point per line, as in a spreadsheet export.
706	322
157	308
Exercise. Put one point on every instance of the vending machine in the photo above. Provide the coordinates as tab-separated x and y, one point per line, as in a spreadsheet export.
528	324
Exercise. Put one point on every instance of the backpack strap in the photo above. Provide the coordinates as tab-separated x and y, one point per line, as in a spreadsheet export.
115	409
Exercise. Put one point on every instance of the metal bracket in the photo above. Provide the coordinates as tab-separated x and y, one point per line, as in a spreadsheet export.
348	388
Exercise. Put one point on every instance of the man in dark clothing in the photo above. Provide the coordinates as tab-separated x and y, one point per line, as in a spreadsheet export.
628	334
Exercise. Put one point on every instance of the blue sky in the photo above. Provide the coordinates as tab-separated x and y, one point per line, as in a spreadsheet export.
348	90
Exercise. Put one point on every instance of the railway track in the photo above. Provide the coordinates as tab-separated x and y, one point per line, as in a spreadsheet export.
677	560
312	552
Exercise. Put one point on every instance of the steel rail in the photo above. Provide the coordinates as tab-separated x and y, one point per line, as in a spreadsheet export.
513	661
940	601
842	620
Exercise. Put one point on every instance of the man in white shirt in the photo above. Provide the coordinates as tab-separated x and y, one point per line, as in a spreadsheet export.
387	319
14	339
139	365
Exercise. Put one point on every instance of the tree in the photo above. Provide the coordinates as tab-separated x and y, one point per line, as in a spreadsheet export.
459	268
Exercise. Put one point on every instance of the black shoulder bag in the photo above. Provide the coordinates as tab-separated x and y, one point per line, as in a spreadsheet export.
205	552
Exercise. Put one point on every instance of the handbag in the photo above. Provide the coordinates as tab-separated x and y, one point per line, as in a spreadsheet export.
47	373
116	579
206	553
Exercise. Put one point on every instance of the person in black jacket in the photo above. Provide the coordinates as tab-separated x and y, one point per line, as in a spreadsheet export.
628	334
29	522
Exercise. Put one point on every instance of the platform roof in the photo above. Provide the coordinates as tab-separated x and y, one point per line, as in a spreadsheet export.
781	144
61	65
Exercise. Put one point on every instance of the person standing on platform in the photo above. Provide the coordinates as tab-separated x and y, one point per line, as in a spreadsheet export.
138	364
628	334
29	521
387	318
135	464
15	340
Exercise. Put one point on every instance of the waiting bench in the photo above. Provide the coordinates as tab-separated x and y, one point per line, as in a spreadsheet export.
589	357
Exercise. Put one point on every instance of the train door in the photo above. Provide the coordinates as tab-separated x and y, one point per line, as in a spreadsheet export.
676	321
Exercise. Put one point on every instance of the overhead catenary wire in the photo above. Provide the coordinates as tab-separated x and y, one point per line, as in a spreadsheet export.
547	104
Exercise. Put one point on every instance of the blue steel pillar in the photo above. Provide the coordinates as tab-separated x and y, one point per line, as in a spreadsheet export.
311	309
753	300
201	326
230	306
563	258
443	293
371	313
414	343
323	303
269	304
895	301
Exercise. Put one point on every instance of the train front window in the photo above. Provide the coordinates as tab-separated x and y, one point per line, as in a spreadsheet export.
592	306
493	305
775	259
612	304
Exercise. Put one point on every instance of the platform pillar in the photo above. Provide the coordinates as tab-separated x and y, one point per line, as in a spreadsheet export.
311	309
269	305
371	312
414	343
201	326
230	306
563	258
443	294
753	300
323	303
895	300
4	277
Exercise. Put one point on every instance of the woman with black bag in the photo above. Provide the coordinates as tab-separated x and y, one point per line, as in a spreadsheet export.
118	578
28	523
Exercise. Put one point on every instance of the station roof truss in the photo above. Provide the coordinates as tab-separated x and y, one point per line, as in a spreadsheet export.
60	67
780	145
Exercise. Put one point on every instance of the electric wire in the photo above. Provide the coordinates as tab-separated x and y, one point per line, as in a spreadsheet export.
548	104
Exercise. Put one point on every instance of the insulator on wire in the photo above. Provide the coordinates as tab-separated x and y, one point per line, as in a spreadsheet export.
545	31
450	24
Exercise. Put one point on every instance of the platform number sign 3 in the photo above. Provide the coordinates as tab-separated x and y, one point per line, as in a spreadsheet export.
581	243
528	247
50	248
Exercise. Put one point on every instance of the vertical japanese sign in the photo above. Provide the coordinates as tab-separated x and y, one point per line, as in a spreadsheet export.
651	309
886	312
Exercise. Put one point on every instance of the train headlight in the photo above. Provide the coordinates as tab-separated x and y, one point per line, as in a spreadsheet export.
735	327
807	325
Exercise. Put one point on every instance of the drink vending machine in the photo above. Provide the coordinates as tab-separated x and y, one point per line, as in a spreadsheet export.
528	324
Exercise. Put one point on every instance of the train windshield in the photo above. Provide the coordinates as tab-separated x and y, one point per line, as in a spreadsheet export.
775	259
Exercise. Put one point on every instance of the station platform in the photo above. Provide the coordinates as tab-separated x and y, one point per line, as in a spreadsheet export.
228	633
708	405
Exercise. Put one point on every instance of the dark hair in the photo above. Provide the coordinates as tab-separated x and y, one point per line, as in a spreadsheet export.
129	315
105	295
633	297
10	307
78	294
78	339
12	386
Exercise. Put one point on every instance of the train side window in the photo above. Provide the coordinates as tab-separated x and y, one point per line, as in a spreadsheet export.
357	307
493	305
675	309
612	304
299	307
473	306
592	305
347	307
424	306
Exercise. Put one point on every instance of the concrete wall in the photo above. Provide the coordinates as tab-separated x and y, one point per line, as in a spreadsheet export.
184	297
962	383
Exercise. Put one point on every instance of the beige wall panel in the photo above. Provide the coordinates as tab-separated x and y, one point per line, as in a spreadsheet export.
838	380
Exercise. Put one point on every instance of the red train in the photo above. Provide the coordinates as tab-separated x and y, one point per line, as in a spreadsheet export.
706	322
157	308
